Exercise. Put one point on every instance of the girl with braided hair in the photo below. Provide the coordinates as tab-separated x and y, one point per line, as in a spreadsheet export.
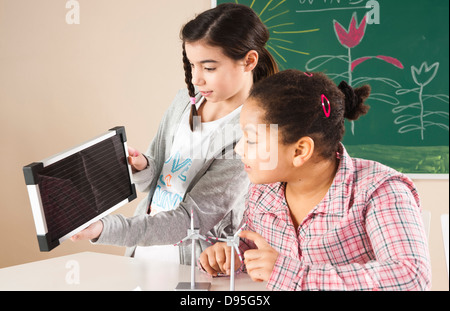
191	163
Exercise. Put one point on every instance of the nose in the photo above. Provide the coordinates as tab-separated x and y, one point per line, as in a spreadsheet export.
197	77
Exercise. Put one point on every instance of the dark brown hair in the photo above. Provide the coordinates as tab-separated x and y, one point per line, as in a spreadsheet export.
293	100
237	30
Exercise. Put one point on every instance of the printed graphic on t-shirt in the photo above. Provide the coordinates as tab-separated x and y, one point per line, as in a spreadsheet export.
170	183
187	157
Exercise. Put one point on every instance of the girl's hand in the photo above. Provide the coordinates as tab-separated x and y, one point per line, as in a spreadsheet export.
217	259
136	159
90	233
259	262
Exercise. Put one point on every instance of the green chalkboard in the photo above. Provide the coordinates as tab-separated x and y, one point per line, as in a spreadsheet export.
399	47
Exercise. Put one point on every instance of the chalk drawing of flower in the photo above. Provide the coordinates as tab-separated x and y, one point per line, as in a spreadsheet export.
350	38
387	59
353	36
422	76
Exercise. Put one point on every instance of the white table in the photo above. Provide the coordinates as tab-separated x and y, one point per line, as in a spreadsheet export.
96	271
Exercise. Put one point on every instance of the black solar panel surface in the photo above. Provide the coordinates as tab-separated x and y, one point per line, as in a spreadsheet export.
80	187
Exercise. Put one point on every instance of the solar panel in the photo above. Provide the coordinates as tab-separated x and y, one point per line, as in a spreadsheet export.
72	189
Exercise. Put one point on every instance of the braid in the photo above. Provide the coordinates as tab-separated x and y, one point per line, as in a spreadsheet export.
190	87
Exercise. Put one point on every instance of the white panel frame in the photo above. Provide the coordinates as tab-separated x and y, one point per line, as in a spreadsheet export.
67	153
35	196
37	209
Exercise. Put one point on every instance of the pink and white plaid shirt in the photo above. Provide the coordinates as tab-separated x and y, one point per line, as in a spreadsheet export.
366	234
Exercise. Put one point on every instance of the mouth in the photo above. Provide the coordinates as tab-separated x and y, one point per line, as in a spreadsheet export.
206	93
247	168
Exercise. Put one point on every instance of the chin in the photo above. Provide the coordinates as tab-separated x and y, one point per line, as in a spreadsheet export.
261	180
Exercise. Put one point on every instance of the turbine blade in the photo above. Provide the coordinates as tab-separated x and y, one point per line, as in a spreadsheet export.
205	239
239	231
186	238
239	253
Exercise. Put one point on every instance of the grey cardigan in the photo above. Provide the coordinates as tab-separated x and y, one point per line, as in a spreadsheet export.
217	193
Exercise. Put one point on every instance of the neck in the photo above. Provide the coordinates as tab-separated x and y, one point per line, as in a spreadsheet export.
313	179
211	111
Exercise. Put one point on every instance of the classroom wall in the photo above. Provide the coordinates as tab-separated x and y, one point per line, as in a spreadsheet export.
62	84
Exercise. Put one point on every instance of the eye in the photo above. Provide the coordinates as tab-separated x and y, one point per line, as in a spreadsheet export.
210	69
251	142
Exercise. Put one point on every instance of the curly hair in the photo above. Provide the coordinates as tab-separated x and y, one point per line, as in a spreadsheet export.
293	100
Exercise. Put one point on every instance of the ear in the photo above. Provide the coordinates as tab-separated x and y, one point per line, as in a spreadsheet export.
251	60
304	149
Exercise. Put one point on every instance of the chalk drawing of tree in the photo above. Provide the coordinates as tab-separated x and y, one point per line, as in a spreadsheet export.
420	121
350	38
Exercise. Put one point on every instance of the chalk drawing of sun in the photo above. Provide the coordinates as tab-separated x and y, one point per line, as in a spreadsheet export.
283	33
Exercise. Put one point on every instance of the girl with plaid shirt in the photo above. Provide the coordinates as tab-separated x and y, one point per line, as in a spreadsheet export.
316	218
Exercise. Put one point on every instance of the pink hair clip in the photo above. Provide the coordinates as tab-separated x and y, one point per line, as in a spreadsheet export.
308	74
192	100
327	113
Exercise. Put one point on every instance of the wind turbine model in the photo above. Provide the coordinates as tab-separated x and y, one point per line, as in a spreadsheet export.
233	242
193	235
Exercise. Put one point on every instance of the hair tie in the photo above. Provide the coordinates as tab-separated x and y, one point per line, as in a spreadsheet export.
352	100
192	100
308	74
327	113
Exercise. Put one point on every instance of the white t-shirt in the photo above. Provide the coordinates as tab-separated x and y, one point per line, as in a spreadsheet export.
187	156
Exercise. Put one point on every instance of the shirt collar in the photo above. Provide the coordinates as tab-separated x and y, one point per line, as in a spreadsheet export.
336	201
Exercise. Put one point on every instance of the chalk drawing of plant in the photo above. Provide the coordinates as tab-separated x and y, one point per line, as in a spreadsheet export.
422	76
350	38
